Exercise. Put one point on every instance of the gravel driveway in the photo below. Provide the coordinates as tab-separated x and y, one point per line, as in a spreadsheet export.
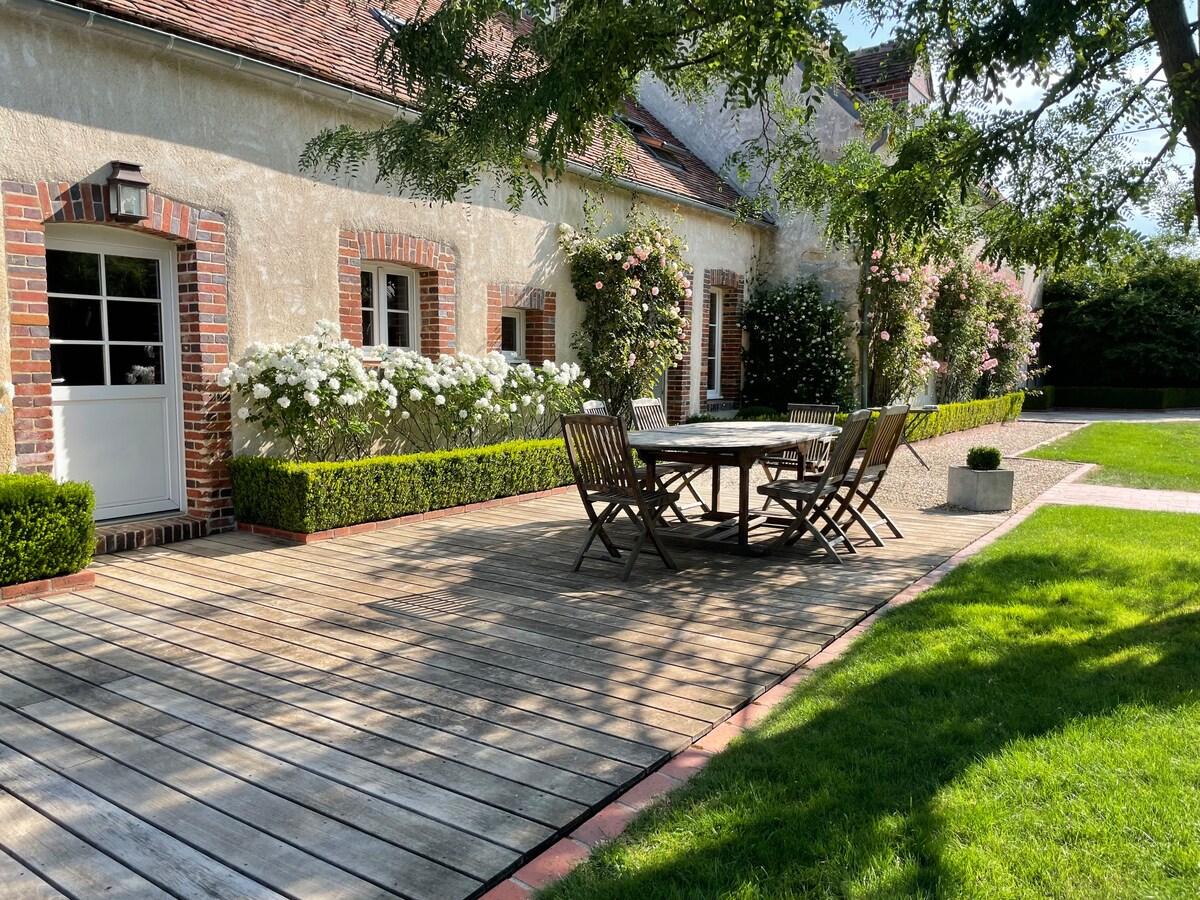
909	485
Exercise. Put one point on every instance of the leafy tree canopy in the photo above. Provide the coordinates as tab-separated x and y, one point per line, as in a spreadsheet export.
520	88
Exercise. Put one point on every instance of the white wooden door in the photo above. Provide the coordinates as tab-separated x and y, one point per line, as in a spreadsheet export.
114	358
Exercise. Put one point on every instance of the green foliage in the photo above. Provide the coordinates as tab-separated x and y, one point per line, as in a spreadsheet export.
952	417
46	528
1025	728
756	413
1132	324
310	497
1040	398
634	285
983	459
1162	455
799	348
1120	398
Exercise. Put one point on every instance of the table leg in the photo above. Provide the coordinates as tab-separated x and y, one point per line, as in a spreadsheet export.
716	489
651	473
744	503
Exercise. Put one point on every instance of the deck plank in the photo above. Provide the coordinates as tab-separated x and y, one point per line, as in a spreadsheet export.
412	711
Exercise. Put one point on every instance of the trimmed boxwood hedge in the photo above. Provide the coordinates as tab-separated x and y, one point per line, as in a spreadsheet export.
952	417
310	497
1114	398
46	528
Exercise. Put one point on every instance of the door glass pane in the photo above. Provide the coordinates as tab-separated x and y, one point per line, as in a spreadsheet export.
398	335
133	321
368	317
714	339
75	319
76	364
136	365
68	272
397	292
131	276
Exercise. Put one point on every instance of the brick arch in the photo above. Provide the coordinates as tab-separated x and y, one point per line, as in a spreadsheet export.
199	238
435	264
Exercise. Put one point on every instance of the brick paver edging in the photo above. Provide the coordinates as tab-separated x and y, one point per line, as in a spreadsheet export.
563	856
32	590
301	537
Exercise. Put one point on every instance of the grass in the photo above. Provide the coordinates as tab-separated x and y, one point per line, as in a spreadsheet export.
1163	456
1027	728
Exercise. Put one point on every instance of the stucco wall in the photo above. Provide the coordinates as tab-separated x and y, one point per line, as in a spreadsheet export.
207	136
715	132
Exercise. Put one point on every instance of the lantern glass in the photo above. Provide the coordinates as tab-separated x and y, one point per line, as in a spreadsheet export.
129	200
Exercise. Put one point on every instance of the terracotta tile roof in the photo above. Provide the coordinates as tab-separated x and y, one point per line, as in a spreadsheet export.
336	40
874	67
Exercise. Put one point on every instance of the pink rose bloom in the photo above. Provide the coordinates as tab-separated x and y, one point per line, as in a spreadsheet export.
632	359
884	336
625	266
654	292
599	285
943	367
632	292
876	254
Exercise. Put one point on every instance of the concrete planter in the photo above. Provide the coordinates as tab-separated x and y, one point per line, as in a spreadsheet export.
981	491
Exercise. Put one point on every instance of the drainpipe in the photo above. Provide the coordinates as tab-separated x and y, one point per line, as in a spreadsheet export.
238	62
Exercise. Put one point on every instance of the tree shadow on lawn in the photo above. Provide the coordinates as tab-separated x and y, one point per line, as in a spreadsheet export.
838	793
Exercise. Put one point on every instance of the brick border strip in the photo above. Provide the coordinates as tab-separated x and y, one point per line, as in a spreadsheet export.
611	820
301	537
46	587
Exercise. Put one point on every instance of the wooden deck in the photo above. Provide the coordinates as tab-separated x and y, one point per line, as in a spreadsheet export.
411	712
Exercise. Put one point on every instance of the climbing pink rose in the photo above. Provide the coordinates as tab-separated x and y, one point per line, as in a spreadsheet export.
884	336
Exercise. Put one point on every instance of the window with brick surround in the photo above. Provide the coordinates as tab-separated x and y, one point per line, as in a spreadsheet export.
389	307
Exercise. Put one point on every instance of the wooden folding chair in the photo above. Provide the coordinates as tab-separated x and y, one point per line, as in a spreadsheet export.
649	415
808	501
808	459
602	462
857	490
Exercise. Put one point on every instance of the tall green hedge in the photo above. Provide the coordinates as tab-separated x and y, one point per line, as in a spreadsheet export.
46	528
310	497
1114	398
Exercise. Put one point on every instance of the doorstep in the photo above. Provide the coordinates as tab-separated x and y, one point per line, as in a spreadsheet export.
149	532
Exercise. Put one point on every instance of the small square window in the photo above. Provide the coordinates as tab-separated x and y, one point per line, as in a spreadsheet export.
389	307
512	334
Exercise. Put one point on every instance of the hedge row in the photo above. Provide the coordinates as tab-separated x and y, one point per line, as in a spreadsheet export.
46	528
310	497
1114	398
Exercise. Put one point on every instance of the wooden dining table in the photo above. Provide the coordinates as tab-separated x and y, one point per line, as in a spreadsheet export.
717	444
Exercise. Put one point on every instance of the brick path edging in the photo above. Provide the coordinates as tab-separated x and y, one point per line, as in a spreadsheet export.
610	821
301	537
46	587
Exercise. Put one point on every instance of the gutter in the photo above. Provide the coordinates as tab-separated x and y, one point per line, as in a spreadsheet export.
189	48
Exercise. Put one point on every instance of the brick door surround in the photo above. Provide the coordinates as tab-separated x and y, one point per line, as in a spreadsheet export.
199	236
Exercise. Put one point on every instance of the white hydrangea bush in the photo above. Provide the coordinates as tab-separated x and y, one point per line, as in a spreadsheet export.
321	398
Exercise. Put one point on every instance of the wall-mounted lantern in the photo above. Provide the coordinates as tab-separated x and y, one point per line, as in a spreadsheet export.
128	193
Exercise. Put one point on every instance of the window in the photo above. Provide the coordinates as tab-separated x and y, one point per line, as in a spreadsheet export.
713	385
667	154
105	319
389	307
512	333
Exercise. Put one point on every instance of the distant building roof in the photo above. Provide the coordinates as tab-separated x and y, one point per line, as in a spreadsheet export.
336	41
887	70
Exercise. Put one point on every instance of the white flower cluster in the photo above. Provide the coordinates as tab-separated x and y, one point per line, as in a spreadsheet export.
326	399
8	391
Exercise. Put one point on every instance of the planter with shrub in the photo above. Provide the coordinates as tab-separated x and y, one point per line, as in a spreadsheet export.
981	484
46	529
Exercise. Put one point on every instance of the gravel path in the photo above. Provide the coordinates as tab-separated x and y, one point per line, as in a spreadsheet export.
908	485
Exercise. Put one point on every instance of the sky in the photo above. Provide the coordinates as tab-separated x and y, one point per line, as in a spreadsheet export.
860	34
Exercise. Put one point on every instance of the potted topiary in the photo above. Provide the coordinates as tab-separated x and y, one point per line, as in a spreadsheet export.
981	484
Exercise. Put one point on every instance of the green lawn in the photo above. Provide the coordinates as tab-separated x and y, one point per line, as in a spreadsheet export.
1134	455
1028	728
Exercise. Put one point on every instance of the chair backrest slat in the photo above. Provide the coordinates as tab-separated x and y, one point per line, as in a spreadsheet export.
600	455
594	408
886	438
649	415
846	445
812	413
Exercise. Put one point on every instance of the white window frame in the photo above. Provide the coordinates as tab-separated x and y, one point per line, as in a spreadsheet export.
379	273
714	342
518	315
